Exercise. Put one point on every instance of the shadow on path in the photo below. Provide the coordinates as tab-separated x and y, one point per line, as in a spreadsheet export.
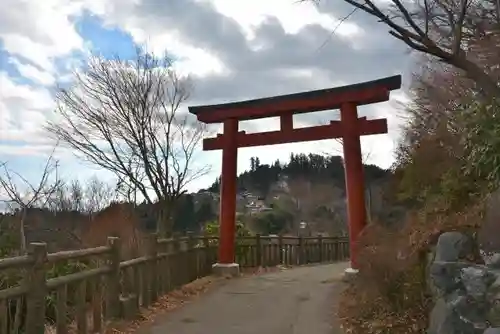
295	301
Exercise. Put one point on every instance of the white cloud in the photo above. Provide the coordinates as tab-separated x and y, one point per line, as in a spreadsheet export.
39	31
292	15
266	59
24	109
35	34
33	73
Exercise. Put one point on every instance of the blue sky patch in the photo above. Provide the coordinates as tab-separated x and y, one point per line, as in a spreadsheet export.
108	42
8	67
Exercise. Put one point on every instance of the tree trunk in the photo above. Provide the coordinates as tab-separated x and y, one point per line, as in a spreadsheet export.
164	221
22	233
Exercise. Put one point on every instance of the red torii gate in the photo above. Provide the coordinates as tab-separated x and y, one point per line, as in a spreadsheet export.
350	128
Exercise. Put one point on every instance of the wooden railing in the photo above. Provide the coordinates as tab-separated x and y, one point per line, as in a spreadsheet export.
108	288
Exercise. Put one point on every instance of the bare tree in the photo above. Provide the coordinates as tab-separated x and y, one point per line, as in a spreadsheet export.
454	31
90	198
125	117
77	195
98	195
31	195
307	197
67	197
21	200
128	190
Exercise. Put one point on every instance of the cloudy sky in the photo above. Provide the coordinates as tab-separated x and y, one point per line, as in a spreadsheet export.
233	49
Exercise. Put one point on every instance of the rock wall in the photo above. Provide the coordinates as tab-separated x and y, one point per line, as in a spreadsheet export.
466	295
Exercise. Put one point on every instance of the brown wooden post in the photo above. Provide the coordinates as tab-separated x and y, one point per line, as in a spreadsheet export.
136	272
320	248
176	261
81	307
280	248
301	250
153	266
62	309
336	250
258	250
37	289
207	264
4	324
97	304
113	309
192	257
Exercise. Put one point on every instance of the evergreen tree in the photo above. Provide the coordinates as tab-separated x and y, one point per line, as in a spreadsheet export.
312	167
252	164
205	213
184	216
215	187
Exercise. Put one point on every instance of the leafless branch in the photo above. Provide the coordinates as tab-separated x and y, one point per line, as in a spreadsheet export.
90	198
334	30
126	119
29	195
445	29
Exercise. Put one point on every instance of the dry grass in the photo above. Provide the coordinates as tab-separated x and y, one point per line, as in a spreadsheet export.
119	221
389	294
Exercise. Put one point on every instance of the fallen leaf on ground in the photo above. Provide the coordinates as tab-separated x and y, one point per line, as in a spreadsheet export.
166	303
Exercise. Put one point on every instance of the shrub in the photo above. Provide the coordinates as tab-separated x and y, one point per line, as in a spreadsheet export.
390	290
212	229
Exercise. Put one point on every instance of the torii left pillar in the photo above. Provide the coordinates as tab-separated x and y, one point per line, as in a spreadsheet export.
227	217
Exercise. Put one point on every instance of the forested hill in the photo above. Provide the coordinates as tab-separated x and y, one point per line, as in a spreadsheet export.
314	168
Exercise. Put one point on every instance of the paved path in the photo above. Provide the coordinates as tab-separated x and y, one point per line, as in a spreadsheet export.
294	301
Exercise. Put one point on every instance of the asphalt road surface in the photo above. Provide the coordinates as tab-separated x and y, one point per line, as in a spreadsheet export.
294	301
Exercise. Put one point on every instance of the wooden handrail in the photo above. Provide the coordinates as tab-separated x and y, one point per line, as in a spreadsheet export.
168	264
77	254
15	262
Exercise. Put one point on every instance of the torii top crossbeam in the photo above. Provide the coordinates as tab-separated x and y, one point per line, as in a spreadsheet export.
317	100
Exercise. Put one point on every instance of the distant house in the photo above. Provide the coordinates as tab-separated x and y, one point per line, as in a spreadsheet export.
206	194
251	197
256	206
246	194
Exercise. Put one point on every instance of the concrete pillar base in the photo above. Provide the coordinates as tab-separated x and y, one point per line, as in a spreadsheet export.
350	274
226	269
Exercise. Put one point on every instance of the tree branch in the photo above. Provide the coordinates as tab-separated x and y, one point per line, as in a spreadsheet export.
126	119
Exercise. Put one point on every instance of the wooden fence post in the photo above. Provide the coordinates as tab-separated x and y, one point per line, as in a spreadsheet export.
207	259
258	250
280	248
301	250
176	261
320	246
37	289
152	254
192	257
113	309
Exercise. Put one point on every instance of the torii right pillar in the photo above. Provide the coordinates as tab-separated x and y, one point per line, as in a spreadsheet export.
354	179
